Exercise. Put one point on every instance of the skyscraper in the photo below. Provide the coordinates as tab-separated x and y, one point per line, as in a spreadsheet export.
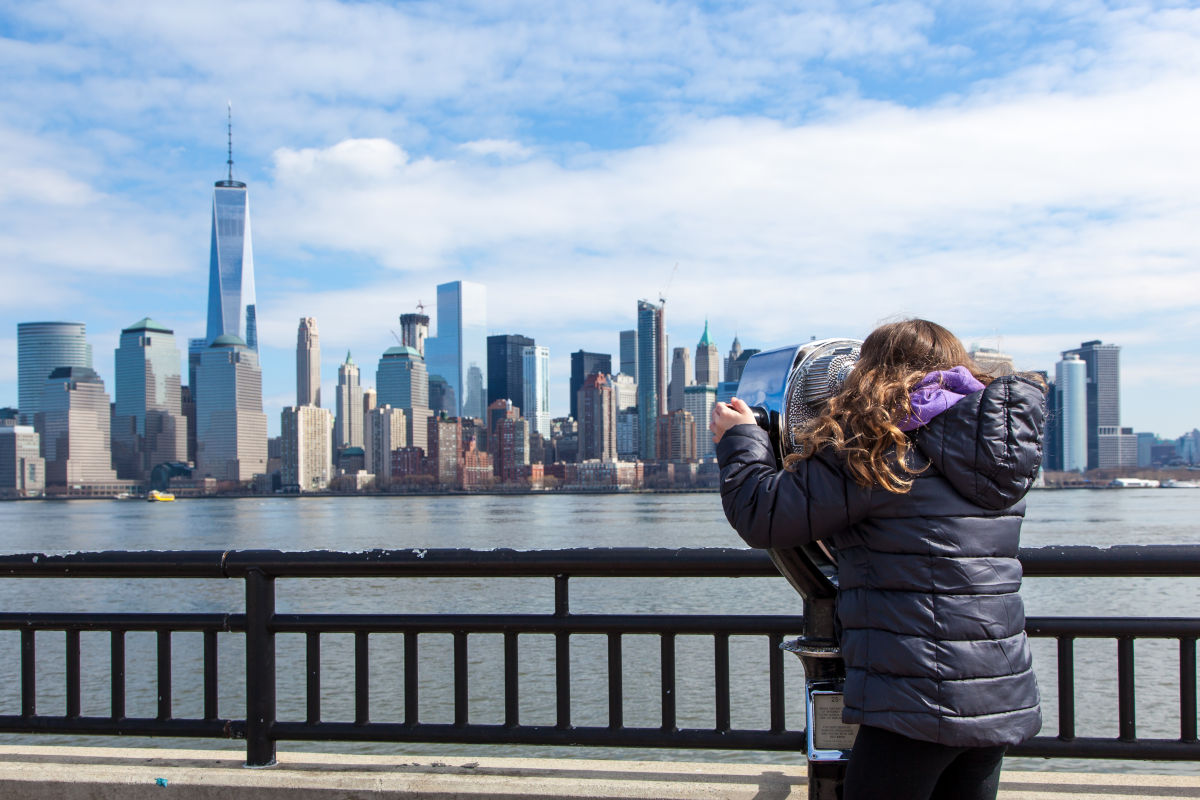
698	400
735	352
386	432
148	423
681	377
1103	403
652	375
708	361
74	423
402	382
582	365
629	351
22	468
458	354
536	378
308	363
414	330
506	367
231	304
231	428
1070	384
42	347
306	461
348	427
597	419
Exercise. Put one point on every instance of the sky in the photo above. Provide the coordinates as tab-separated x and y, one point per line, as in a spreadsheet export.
1023	172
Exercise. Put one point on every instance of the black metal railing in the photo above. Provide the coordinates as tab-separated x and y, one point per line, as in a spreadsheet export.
259	625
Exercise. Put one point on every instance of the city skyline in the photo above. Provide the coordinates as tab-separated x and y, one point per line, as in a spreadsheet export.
1022	176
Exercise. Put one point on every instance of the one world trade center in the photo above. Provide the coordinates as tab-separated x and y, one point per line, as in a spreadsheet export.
231	263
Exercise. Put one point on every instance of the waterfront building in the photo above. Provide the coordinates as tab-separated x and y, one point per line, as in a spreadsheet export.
698	400
458	354
652	374
681	377
735	352
597	419
42	347
708	360
477	469
1145	445
306	463
992	361
506	367
1070	391
351	461
512	447
231	428
628	434
628	353
414	330
231	301
308	363
536	380
584	364
445	450
22	468
677	437
347	426
73	421
1104	406
401	381
386	432
149	427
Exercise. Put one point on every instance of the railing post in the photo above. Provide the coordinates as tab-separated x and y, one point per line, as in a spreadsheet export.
260	669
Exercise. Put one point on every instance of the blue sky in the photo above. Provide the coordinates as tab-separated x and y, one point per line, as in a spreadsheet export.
1025	173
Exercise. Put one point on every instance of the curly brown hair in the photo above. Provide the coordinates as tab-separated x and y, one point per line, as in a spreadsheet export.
862	420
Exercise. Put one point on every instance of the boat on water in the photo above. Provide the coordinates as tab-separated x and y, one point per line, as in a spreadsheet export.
156	496
1171	483
1133	483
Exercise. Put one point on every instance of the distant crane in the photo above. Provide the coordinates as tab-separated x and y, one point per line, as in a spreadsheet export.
396	336
662	295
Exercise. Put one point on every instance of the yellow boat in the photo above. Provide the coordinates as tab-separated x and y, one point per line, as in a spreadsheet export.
160	497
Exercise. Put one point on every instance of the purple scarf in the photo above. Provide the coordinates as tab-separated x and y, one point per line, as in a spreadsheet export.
937	392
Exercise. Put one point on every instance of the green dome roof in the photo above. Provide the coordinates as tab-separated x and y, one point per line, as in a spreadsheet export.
402	350
147	324
705	341
228	340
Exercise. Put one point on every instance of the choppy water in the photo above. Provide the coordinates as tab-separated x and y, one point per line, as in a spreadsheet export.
1100	518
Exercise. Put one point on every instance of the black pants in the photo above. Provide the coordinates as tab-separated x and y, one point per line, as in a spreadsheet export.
887	766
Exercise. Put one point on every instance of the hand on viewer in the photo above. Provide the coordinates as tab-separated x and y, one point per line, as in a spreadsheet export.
726	415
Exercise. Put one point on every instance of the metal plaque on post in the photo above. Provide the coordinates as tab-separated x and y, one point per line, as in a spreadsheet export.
786	389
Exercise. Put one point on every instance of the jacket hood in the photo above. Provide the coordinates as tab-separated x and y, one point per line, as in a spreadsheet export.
989	444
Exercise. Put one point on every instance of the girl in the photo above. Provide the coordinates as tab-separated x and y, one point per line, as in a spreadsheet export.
915	473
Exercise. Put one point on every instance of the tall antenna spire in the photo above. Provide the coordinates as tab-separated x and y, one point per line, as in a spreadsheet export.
230	132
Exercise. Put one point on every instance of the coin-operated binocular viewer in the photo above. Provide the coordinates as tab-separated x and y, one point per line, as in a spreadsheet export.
786	389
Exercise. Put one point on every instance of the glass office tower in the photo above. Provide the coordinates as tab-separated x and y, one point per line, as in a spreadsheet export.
148	424
458	354
42	347
652	375
231	428
231	310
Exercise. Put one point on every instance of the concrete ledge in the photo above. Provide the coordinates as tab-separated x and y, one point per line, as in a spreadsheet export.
96	773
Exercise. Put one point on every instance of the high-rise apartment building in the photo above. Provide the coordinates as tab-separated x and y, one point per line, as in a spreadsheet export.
624	391
348	425
506	367
681	378
305	455
74	421
458	354
445	449
149	427
597	419
584	364
1070	390
231	428
698	400
401	381
231	303
22	468
708	360
629	353
308	363
386	432
652	375
43	347
536	380
1104	404
677	437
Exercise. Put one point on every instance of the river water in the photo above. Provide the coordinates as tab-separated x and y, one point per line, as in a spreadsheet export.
1099	518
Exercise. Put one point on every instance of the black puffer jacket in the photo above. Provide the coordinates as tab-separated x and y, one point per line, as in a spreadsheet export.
932	625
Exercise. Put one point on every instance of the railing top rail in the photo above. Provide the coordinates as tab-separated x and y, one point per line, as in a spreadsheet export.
1061	561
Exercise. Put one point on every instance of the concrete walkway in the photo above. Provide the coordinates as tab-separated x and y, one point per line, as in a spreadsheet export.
73	773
